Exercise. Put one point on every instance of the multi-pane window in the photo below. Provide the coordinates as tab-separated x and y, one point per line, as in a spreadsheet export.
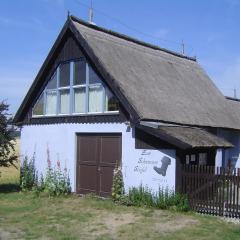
79	73
79	87
95	98
200	159
93	77
64	101
51	96
111	103
79	100
51	102
52	84
64	72
75	88
39	106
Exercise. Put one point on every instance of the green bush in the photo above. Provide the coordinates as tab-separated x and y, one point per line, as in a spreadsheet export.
141	196
182	203
118	185
163	199
28	174
39	186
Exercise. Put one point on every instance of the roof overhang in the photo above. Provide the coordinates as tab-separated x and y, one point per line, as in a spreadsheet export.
185	137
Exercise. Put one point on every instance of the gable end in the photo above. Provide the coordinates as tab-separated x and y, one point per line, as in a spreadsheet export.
66	48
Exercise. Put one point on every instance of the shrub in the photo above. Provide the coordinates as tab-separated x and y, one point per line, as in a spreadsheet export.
163	199
56	181
28	174
38	186
182	203
141	196
117	186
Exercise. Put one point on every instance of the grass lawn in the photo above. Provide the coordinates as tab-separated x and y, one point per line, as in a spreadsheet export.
25	216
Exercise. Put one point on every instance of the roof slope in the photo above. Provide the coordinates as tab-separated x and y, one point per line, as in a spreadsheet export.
155	83
187	137
234	107
158	84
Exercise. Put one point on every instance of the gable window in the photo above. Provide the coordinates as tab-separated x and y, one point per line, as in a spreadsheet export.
111	103
39	106
52	84
51	102
79	100
79	73
64	75
93	77
95	99
64	100
75	88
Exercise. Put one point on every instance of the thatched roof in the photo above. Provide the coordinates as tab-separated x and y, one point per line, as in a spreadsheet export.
154	83
187	137
234	106
160	85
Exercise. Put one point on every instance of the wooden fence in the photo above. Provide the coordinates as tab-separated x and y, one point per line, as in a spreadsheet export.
211	190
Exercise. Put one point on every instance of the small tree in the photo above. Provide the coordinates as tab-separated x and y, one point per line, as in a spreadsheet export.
7	151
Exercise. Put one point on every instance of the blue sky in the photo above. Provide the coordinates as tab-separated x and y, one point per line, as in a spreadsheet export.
209	29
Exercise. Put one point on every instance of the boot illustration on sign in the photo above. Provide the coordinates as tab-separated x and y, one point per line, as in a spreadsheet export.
163	169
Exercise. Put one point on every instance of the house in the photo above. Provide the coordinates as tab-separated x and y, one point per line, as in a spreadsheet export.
102	98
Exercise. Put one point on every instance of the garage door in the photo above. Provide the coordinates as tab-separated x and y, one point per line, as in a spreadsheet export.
97	156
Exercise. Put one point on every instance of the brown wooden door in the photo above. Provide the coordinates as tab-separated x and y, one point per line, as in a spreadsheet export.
97	156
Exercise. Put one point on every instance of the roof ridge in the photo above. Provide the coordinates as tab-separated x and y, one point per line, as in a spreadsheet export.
128	38
232	98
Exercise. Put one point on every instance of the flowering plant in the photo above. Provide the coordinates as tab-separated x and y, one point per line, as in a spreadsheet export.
28	174
57	182
118	185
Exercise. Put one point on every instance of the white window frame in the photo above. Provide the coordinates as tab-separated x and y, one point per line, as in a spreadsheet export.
71	88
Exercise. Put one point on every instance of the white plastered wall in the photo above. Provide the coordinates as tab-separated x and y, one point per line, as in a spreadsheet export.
137	164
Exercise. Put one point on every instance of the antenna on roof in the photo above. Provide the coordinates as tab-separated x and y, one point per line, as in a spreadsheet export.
68	14
90	15
183	48
235	92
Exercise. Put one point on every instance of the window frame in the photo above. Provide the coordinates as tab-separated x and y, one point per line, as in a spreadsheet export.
71	88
